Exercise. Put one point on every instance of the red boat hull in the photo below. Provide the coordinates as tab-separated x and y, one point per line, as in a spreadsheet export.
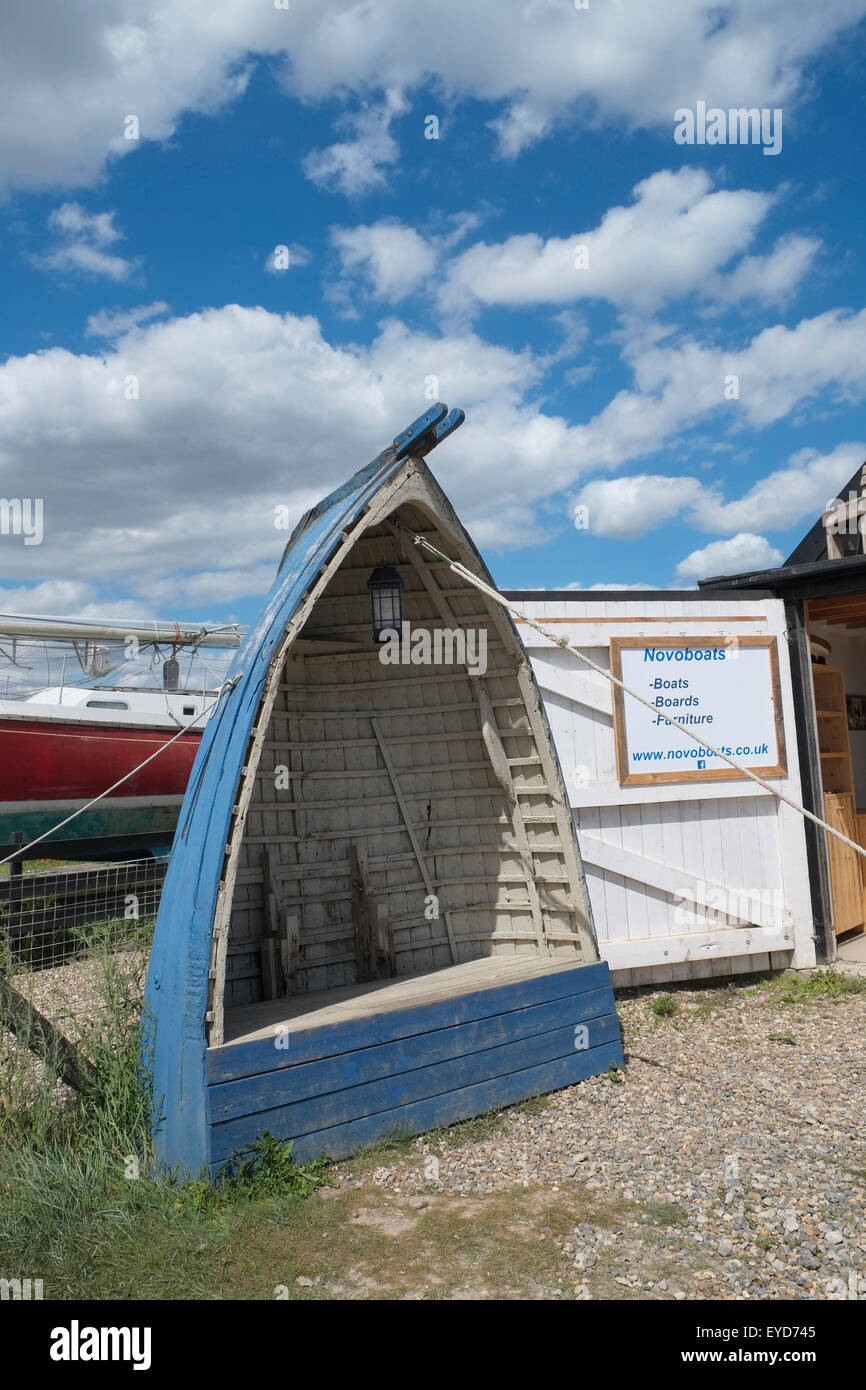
68	762
48	769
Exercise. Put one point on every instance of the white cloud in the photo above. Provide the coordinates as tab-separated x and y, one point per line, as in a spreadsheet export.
680	384
392	258
359	164
113	323
66	88
633	505
390	261
677	237
614	584
210	587
738	555
796	493
81	241
75	222
520	126
298	257
54	597
173	495
228	425
673	239
769	279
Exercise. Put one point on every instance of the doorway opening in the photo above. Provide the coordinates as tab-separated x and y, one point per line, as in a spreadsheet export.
837	639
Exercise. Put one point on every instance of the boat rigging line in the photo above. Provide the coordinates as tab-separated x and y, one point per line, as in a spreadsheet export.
563	642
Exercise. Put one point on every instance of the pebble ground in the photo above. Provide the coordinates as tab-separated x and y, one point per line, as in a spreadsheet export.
734	1141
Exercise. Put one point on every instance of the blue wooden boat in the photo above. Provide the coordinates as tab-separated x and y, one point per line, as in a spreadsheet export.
375	919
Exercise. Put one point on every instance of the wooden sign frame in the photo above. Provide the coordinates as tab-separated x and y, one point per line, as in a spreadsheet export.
722	774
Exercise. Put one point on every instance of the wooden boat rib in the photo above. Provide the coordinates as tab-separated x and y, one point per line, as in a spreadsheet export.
364	842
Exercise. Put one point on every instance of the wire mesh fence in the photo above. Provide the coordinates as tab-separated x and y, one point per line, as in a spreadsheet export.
49	917
74	943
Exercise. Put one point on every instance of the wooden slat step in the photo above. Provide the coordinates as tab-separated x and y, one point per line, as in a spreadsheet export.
429	677
423	711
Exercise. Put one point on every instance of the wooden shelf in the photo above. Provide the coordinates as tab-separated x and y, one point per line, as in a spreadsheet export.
847	878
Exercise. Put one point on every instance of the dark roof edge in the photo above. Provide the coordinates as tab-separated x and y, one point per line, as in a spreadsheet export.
787	575
813	546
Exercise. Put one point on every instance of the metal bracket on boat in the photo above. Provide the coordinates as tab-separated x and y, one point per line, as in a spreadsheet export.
427	431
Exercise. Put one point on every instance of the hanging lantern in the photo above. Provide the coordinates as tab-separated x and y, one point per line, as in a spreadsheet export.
386	599
170	674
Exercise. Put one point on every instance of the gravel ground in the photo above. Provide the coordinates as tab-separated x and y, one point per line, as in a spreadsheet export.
71	997
734	1143
726	1161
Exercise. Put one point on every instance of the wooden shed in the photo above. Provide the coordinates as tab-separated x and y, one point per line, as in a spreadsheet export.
375	918
820	591
693	870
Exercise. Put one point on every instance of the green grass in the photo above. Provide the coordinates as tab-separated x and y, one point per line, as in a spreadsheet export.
665	1006
58	945
821	984
78	1207
33	866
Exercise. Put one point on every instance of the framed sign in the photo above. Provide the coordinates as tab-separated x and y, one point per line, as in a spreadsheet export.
856	705
724	688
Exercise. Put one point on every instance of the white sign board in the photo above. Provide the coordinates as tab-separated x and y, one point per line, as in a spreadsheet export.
724	689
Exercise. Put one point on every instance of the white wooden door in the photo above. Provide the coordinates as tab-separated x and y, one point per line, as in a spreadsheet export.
686	879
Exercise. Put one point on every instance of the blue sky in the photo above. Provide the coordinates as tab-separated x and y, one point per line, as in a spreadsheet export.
164	387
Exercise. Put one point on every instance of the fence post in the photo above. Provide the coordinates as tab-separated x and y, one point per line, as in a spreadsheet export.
16	886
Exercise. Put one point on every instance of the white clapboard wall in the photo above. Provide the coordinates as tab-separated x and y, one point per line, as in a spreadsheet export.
686	880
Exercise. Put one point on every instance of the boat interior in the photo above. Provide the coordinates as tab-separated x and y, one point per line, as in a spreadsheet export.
405	834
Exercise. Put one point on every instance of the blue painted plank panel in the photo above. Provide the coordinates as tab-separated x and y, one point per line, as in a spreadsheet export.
343	1140
231	1099
356	1102
249	1059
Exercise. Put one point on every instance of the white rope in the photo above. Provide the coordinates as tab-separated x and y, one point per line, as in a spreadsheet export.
227	685
564	643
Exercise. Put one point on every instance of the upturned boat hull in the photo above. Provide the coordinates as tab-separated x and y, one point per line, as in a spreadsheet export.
374	919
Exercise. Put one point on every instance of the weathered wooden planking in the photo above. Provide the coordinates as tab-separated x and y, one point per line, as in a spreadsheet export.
300	1081
420	768
339	1141
342	1003
239	1059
